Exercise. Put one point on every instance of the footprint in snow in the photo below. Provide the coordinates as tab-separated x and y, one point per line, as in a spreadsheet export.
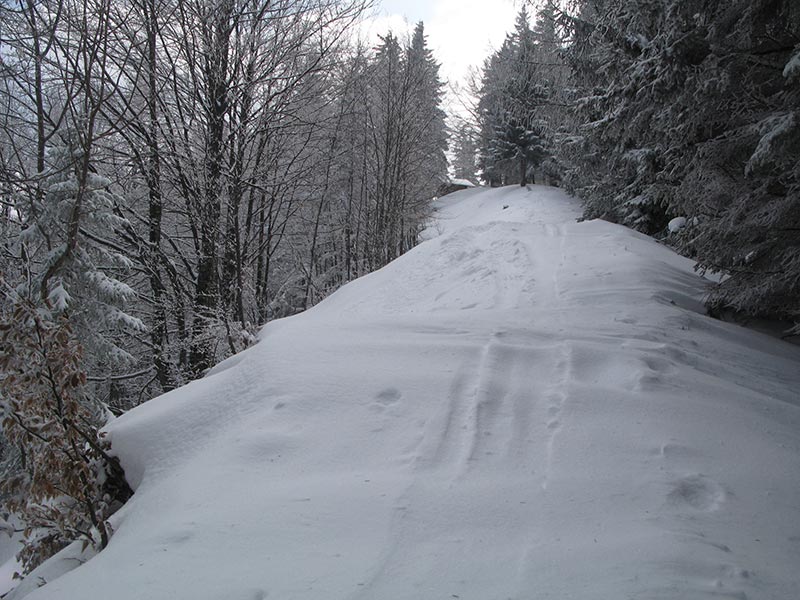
176	537
388	396
697	492
385	399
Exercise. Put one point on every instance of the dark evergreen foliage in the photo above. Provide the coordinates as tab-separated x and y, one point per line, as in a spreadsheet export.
520	87
691	109
671	108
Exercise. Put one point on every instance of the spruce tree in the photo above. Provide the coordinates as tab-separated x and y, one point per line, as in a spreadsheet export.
515	93
690	109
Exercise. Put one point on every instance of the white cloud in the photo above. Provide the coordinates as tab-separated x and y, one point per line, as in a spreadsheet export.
380	24
462	33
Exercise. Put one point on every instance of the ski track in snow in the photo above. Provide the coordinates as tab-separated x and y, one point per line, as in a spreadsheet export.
523	406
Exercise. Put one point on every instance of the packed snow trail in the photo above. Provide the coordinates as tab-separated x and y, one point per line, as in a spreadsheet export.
521	407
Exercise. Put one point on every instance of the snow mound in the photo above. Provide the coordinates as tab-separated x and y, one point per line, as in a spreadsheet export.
523	406
676	224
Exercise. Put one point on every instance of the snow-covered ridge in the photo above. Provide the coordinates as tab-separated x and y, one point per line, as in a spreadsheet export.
523	406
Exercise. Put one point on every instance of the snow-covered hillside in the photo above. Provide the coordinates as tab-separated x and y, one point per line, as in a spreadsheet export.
521	407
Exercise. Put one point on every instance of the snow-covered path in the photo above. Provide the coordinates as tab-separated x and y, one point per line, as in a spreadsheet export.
521	407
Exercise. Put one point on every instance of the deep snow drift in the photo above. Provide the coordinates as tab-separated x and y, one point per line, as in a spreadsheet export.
521	407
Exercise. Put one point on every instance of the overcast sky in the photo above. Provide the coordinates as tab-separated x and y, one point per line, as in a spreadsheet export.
460	32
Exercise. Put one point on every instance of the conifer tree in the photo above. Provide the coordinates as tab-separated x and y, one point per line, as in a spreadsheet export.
690	109
517	88
427	132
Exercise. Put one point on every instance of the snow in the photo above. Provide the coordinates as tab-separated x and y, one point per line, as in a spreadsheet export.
110	286
523	406
59	298
9	546
676	224
7	570
774	130
464	182
792	69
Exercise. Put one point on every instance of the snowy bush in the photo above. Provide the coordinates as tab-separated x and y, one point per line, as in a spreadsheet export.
67	485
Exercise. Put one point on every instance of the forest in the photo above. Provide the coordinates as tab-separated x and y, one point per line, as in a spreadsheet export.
654	111
176	173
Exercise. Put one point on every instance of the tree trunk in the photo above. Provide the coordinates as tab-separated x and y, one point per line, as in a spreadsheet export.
523	170
216	102
158	329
